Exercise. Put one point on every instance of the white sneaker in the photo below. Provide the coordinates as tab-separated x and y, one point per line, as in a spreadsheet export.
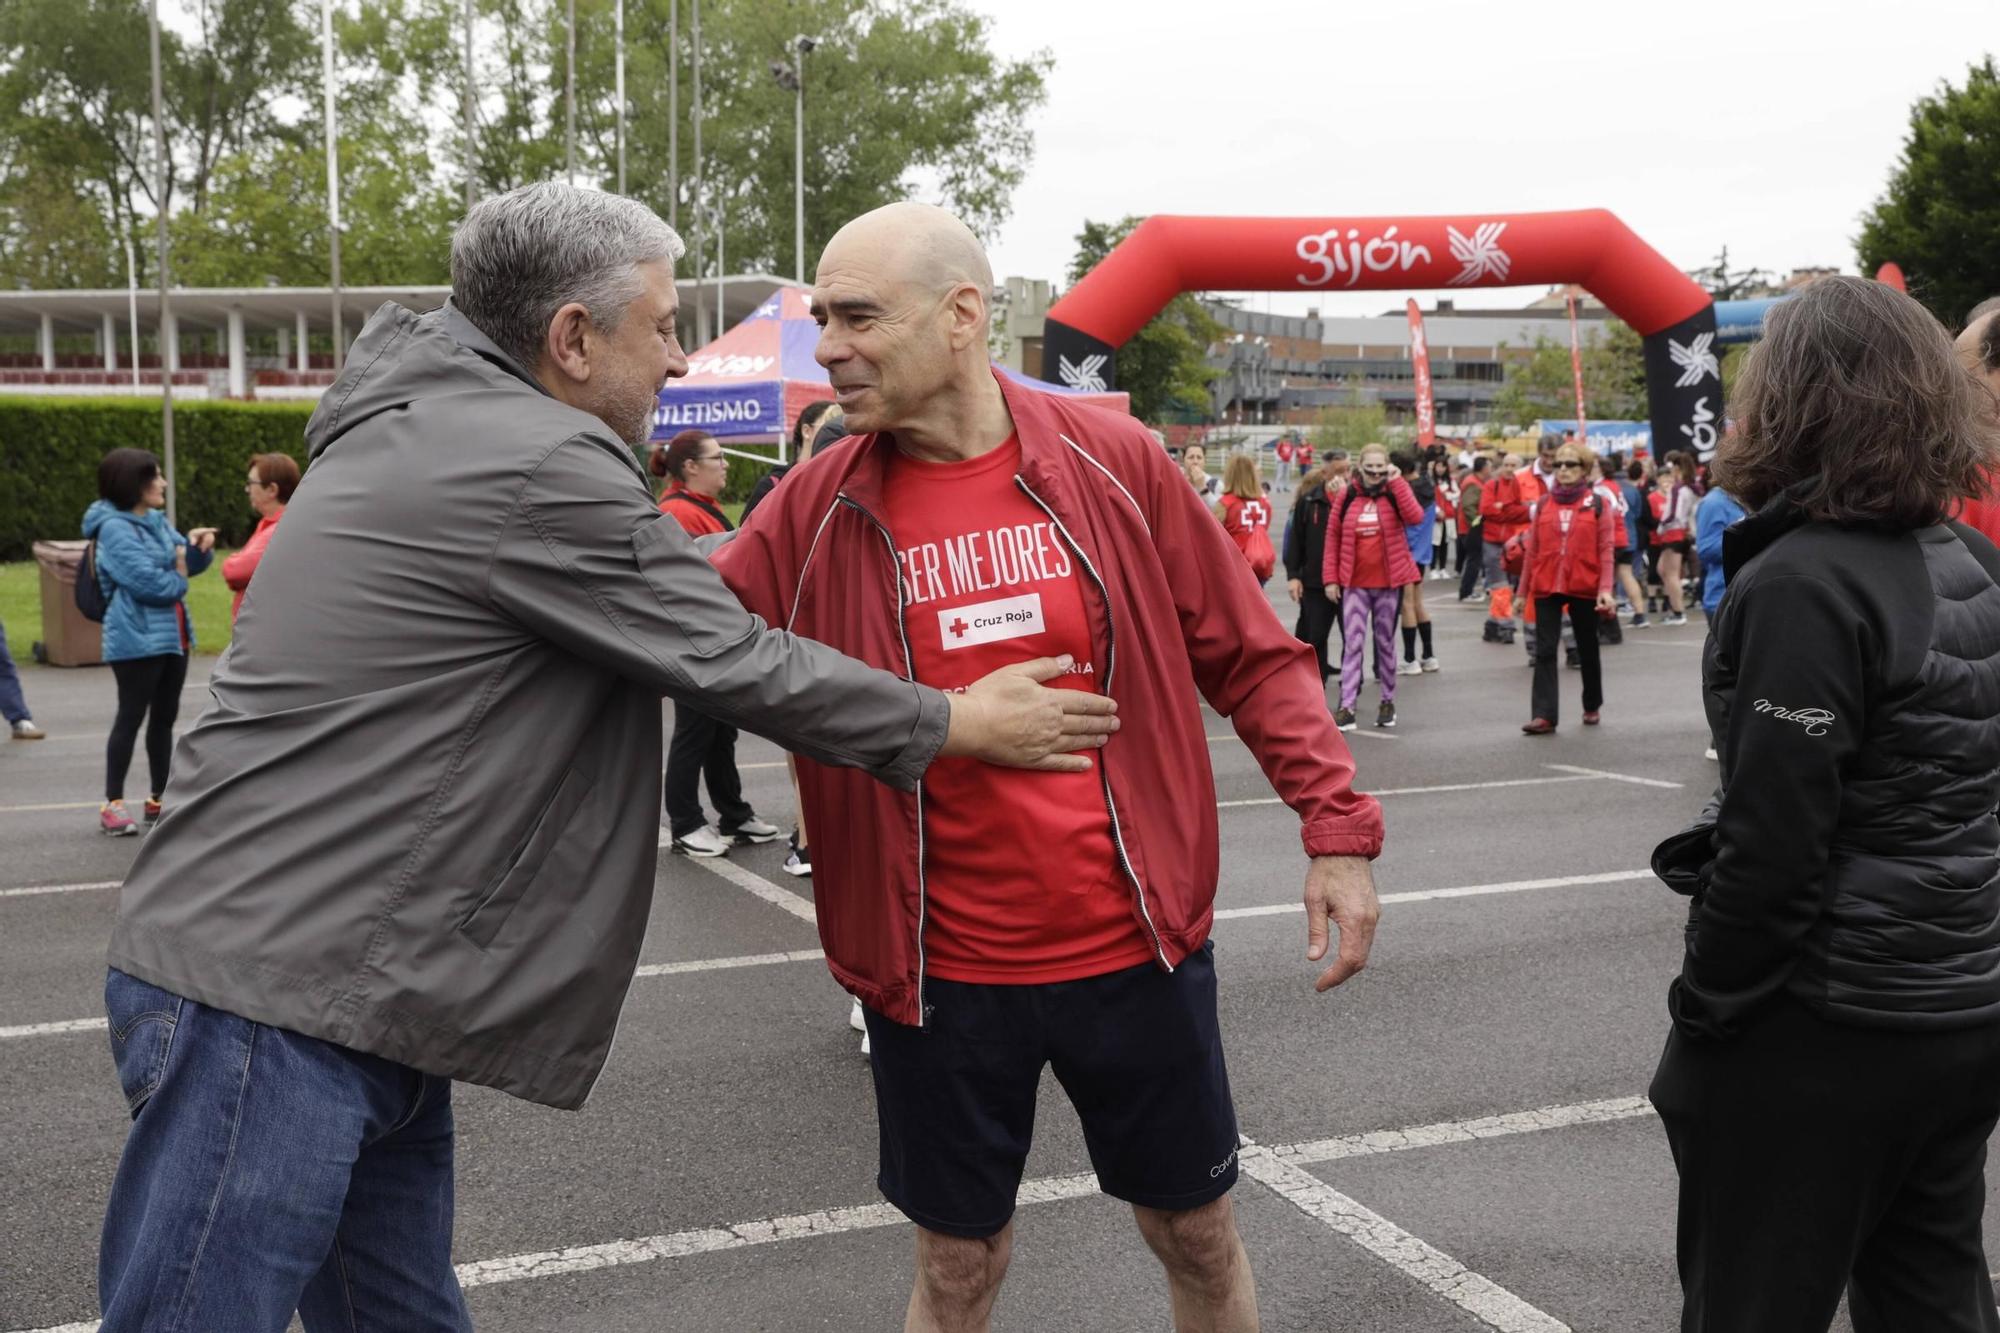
1409	669
1432	664
1709	754
1675	618
704	841
864	1043
26	730
750	830
855	1018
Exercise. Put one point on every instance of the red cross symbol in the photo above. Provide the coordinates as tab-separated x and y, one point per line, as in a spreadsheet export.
958	627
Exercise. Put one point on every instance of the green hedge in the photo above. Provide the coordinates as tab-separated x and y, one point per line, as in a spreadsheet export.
50	448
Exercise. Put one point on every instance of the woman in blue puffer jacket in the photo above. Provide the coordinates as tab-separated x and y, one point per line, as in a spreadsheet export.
143	566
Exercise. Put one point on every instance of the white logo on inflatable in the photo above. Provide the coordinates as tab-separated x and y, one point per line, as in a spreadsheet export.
1378	254
733	364
1696	361
1701	433
1480	253
1087	375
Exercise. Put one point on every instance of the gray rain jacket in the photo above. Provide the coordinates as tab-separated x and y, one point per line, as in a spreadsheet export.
420	817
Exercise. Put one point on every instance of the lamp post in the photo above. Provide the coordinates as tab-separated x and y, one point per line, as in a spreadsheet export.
332	180
792	78
471	149
569	100
161	168
618	58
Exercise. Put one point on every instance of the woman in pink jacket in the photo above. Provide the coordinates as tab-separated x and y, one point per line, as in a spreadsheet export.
1367	565
273	478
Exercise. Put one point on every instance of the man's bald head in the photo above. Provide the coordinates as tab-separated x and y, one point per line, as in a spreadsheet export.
904	296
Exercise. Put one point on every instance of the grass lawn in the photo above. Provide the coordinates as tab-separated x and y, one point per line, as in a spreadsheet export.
208	602
21	607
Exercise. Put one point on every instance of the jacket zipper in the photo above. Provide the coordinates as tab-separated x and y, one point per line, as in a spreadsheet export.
1110	666
910	670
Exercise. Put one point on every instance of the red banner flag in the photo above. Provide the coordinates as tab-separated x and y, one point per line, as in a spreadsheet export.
1420	361
1576	368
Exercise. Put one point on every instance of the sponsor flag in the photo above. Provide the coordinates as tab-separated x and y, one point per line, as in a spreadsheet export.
1420	361
1576	369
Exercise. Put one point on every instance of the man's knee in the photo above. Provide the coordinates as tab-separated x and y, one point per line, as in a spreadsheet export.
960	1271
1196	1244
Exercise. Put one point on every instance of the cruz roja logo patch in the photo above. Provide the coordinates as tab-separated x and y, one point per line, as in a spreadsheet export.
990	622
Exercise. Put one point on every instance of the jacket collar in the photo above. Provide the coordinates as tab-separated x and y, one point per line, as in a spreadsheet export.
1747	538
469	336
1035	424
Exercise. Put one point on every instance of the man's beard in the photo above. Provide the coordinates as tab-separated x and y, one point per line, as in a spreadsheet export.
627	408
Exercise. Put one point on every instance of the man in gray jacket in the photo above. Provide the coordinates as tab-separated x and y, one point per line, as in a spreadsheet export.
413	838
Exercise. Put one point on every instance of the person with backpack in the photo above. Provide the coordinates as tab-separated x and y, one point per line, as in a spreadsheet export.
1366	567
1567	565
1421	536
140	567
696	470
1673	505
1246	515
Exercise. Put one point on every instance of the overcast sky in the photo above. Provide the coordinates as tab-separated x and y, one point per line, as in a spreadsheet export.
1768	126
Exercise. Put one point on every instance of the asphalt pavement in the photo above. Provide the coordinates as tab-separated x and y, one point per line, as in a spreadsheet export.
1456	1140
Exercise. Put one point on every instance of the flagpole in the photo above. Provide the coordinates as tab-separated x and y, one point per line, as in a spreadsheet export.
167	357
1576	368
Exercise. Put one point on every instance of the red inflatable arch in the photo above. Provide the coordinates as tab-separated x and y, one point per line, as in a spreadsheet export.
1168	255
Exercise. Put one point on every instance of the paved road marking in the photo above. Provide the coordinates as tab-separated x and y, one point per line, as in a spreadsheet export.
33	889
1280	1168
1613	777
1427	791
1464	1131
36	809
53	1029
802	907
1478	1296
1468	891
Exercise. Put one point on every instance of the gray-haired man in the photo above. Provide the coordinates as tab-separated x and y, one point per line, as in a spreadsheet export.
413	838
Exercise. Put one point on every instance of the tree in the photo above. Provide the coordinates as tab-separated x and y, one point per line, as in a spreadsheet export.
1164	366
1727	284
1941	210
1544	384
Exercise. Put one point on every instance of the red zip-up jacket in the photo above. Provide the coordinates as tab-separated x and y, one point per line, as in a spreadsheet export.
1343	536
1502	512
1569	551
1175	613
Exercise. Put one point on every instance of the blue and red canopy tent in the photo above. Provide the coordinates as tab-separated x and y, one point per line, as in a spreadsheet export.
753	381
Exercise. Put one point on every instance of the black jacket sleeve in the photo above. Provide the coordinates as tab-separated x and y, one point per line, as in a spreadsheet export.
758	491
1295	541
1802	654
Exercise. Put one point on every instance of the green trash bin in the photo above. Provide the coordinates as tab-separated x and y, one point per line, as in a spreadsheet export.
67	638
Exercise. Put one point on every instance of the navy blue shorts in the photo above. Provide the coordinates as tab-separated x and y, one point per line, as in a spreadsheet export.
1139	1052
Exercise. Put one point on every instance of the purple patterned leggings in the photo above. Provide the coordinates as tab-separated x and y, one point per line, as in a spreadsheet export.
1358	607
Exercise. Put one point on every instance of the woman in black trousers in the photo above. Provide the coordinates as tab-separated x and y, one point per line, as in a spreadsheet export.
1833	1070
1305	544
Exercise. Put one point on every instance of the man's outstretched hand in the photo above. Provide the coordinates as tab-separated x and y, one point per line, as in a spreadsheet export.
1340	889
1011	718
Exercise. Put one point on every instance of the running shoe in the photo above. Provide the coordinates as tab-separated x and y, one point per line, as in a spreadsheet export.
152	809
1432	664
1344	719
1592	718
798	861
26	730
1639	621
113	822
1385	716
1709	754
1540	726
704	841
1409	669
751	830
1675	618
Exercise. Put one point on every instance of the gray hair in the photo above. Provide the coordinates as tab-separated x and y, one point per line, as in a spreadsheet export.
518	257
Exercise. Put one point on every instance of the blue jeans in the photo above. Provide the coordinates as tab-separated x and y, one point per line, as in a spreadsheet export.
13	704
267	1172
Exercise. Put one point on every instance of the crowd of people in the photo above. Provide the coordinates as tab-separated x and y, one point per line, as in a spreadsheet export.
982	615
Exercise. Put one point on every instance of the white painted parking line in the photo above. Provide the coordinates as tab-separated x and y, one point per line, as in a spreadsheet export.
33	890
1468	891
1480	1297
1465	1131
39	809
722	964
53	1029
1279	1168
753	883
1441	787
1614	777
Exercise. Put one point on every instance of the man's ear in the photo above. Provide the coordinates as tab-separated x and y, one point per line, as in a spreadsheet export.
968	316
566	345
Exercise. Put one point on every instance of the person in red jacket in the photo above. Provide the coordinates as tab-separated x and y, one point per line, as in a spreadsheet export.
1568	567
273	478
994	923
1368	564
1502	513
703	747
1246	515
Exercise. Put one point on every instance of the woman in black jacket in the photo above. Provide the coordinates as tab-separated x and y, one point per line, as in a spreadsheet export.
1833	1072
1305	545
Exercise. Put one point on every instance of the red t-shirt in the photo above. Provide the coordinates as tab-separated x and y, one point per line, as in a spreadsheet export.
1022	878
1375	521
